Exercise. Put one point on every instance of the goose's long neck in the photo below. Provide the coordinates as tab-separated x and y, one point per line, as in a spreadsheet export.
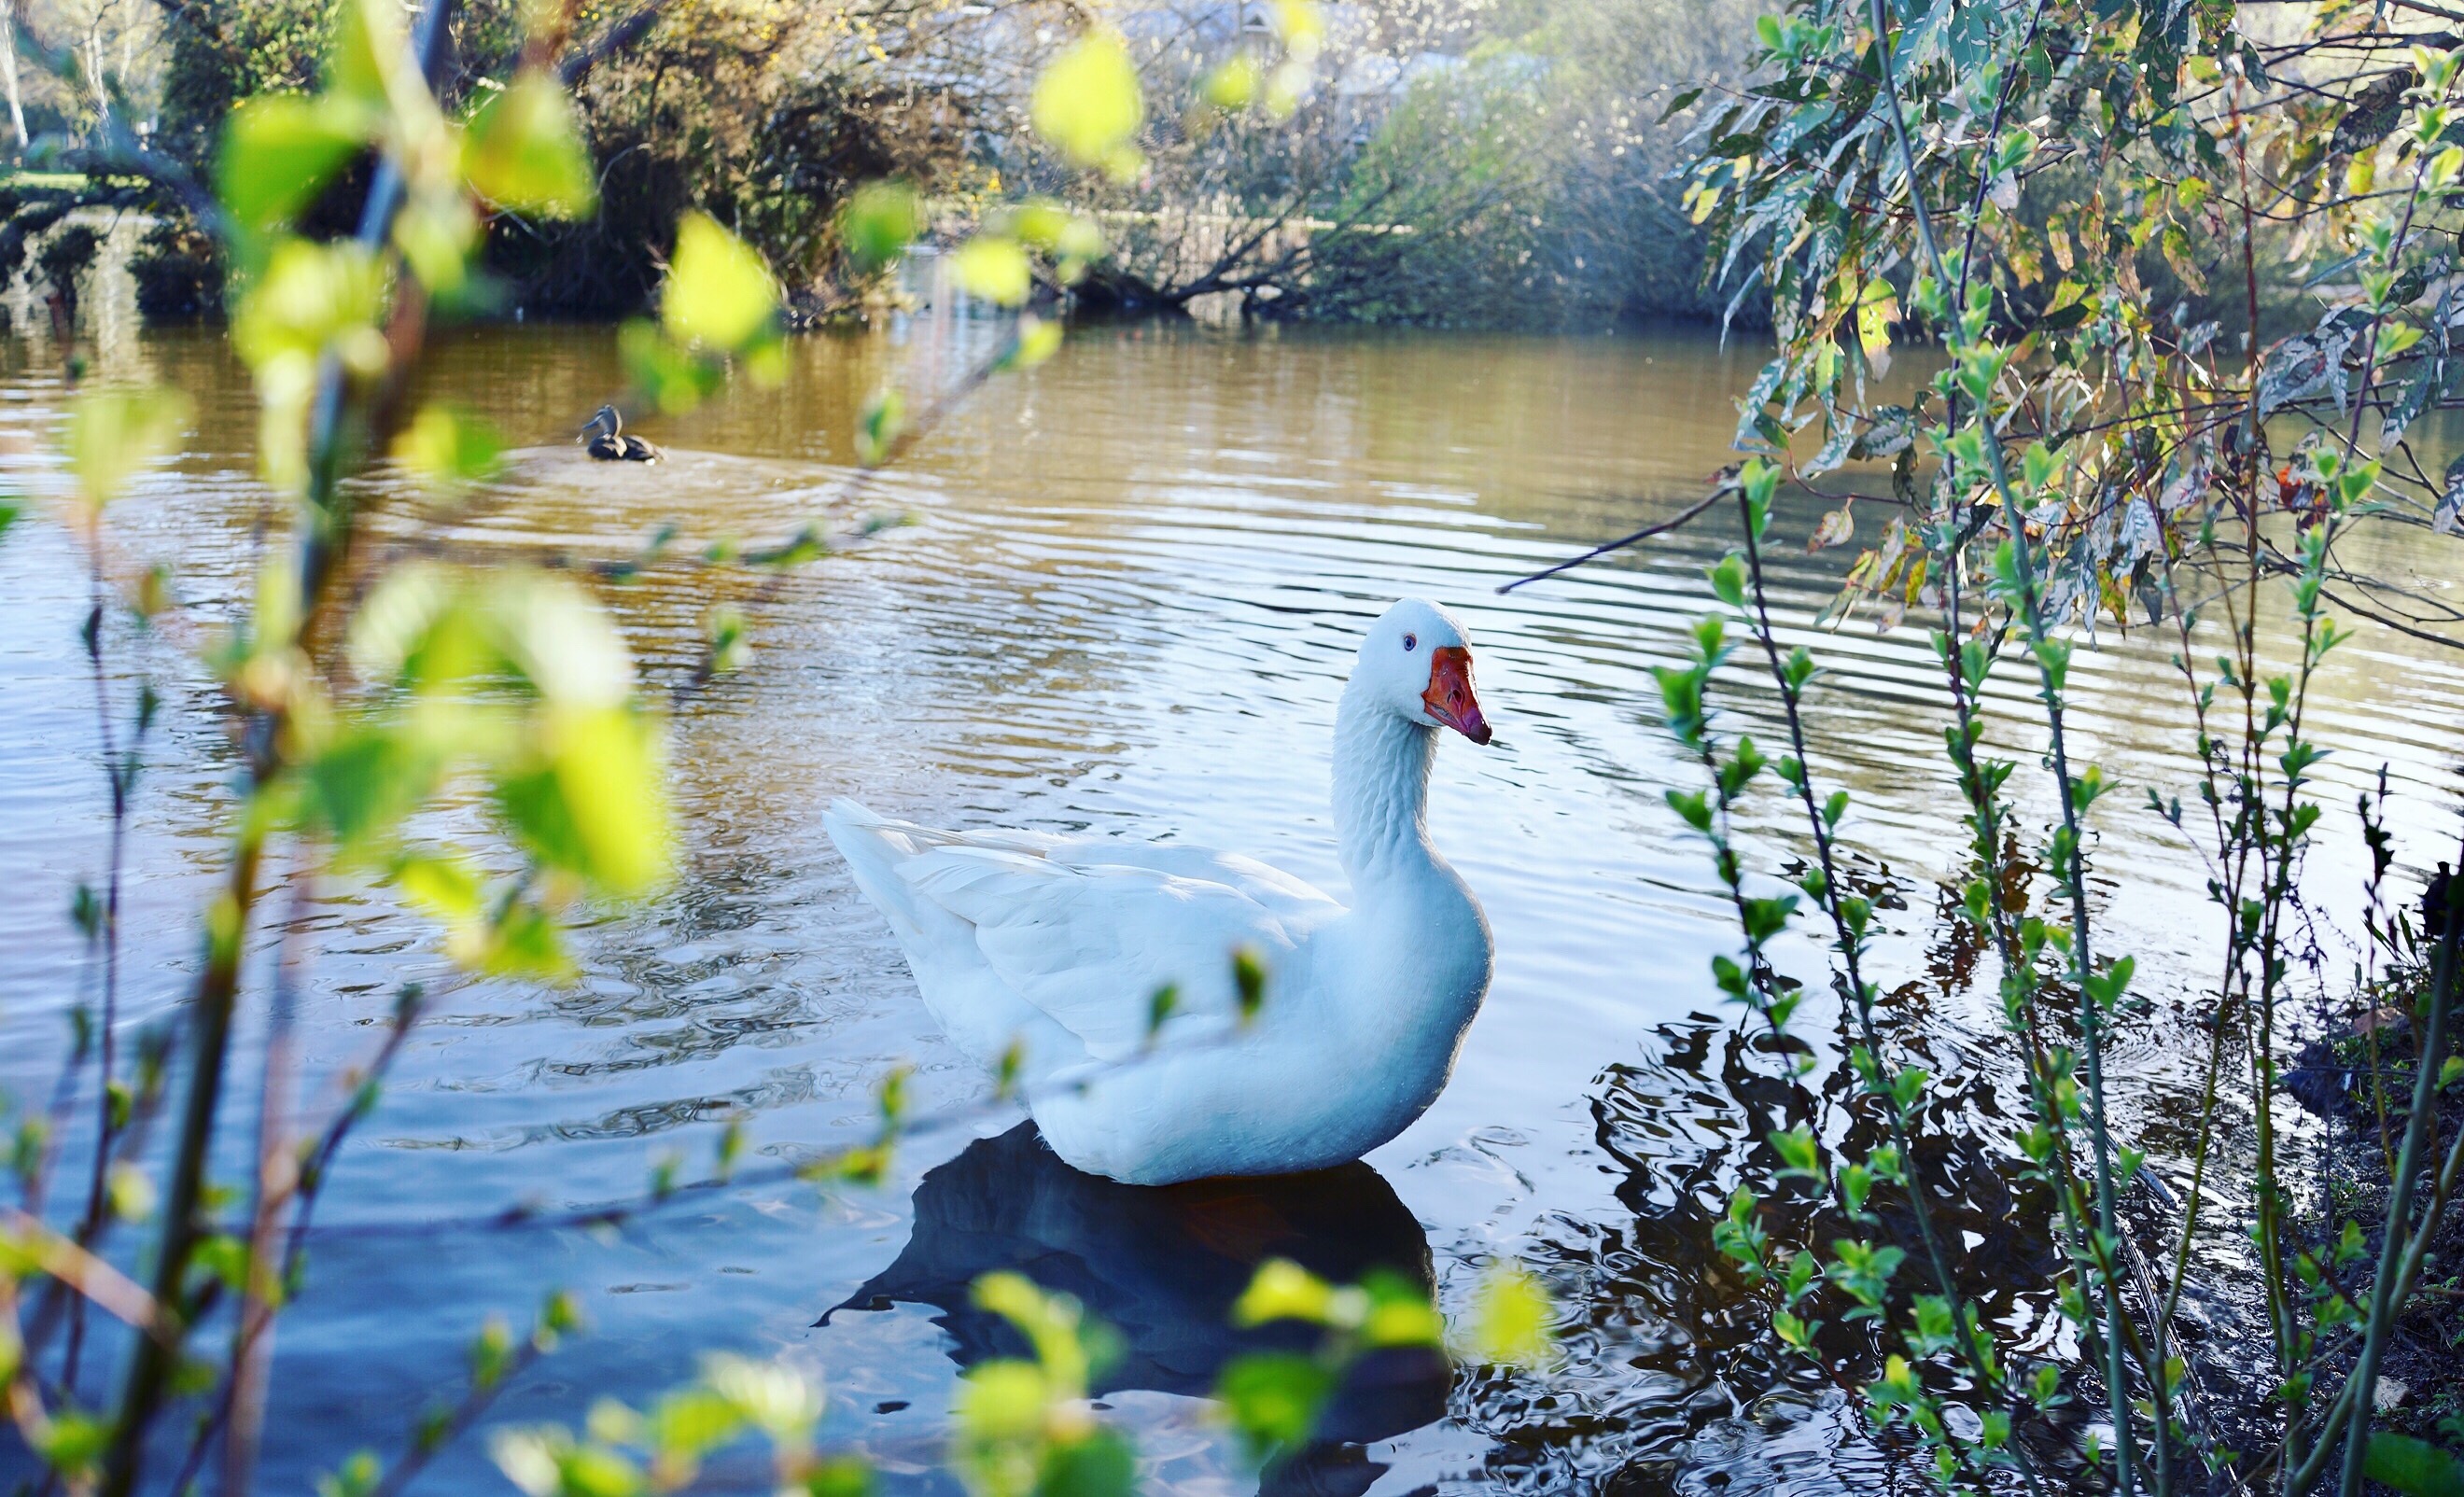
1381	794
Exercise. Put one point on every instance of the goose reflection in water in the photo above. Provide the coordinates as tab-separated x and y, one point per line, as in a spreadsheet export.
1162	1265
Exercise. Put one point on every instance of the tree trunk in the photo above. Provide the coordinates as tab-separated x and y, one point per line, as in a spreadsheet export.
8	71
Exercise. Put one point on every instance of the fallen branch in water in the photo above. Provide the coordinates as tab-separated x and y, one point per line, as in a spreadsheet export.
1727	482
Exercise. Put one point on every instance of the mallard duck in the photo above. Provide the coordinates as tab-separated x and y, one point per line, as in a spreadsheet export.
605	439
1059	946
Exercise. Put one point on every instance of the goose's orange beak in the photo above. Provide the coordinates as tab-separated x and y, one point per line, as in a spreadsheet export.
1449	697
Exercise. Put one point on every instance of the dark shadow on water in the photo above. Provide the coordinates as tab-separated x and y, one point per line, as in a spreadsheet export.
1162	1265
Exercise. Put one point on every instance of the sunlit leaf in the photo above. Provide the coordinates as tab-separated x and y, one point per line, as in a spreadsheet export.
1088	103
1037	339
1001	1399
368	45
1282	1289
113	434
524	151
994	268
278	153
1510	1311
1233	85
775	1396
719	294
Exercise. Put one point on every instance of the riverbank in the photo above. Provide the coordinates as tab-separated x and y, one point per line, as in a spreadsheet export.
2360	1082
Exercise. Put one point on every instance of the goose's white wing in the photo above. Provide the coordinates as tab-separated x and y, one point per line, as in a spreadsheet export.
1089	943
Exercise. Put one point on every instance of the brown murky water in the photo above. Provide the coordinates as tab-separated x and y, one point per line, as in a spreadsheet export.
1126	605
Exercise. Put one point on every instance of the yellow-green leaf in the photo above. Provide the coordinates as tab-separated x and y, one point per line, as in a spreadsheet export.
1282	1289
114	433
524	151
994	269
1509	1317
368	46
1088	103
719	294
278	151
1037	339
1233	85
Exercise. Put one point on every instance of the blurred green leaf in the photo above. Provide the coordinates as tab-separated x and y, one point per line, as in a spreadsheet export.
2415	1467
437	234
1282	1289
278	153
1037	339
994	269
1234	85
880	220
114	433
524	151
1002	1399
1088	103
597	806
1510	1310
719	294
666	376
448	447
774	1397
1273	1399
1399	1314
839	1476
1096	1465
878	428
368	45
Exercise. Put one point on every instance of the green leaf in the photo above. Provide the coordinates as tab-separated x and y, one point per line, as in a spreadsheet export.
839	1476
878	426
2415	1467
666	376
719	294
369	47
1249	981
597	806
880	220
278	152
114	433
1273	1398
1800	1154
523	150
1099	1464
1088	103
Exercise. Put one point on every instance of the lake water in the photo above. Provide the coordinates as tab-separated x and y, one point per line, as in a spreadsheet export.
1126	606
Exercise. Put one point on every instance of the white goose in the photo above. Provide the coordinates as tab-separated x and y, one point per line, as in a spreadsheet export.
1057	946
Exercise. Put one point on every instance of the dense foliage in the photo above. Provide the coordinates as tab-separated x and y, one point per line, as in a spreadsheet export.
2187	276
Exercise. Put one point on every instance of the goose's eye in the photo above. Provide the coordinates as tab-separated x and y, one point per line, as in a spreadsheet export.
1411	642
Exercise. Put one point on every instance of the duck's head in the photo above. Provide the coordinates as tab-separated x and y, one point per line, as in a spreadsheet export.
604	423
1417	663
